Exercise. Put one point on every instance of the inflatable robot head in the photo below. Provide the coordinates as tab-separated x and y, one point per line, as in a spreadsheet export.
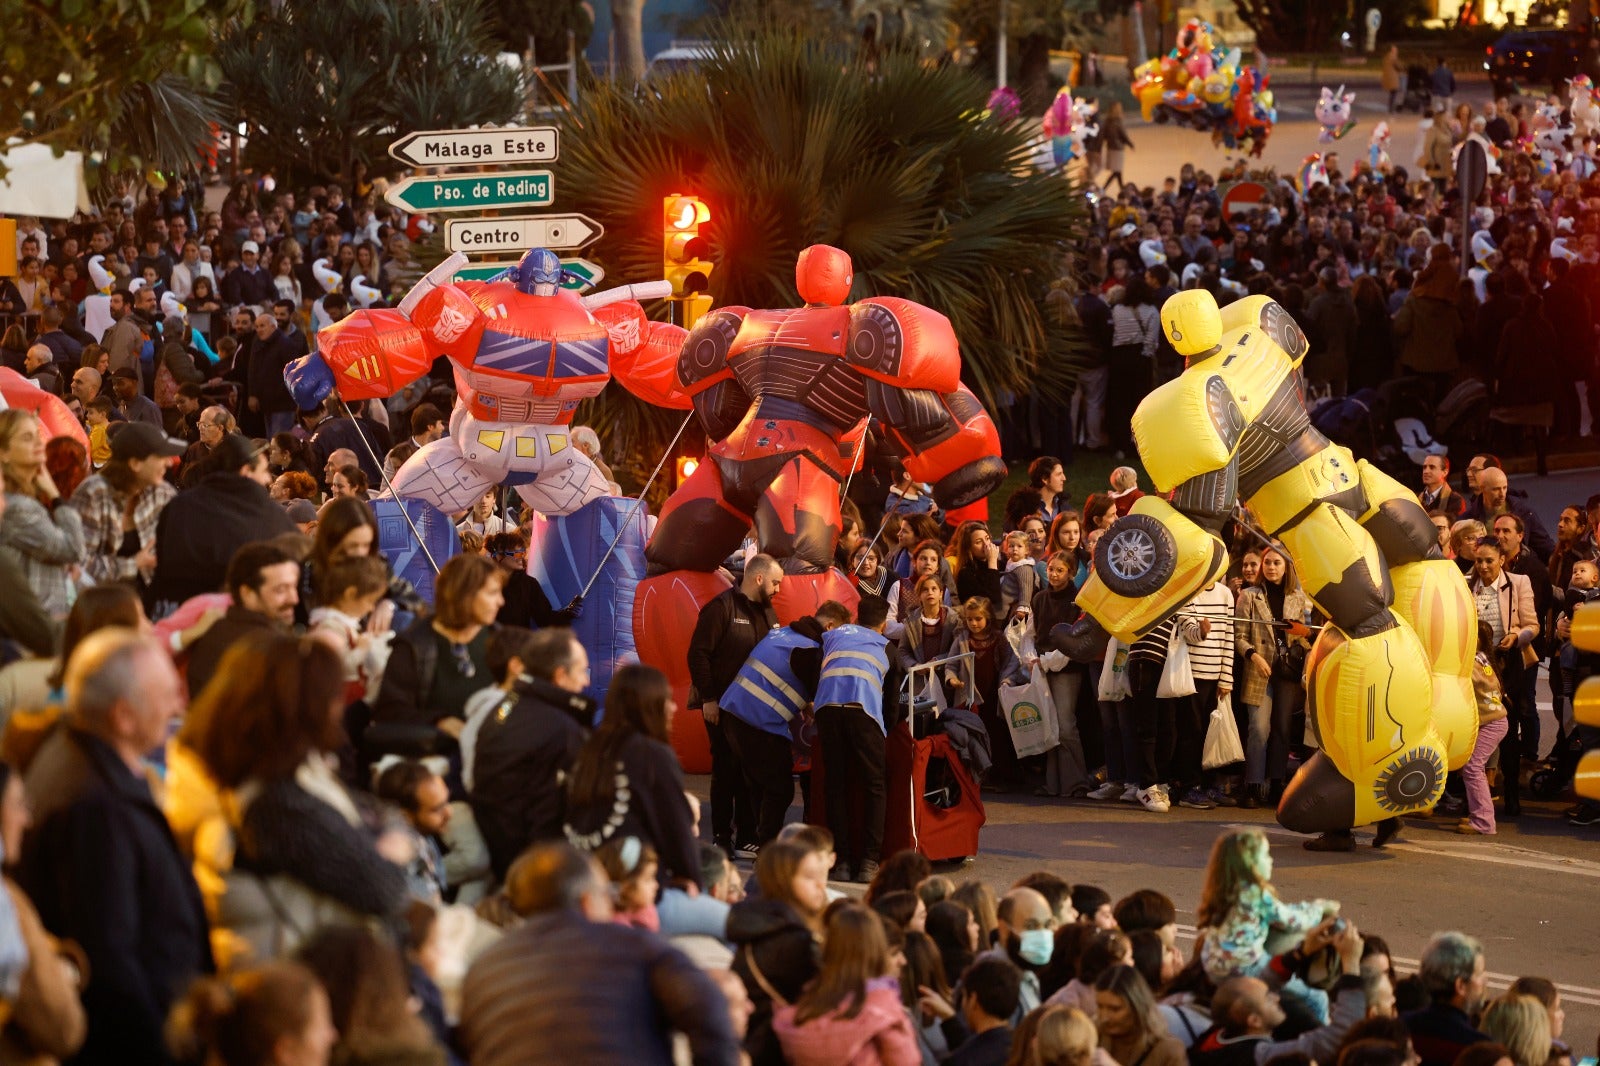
824	275
1192	322
539	273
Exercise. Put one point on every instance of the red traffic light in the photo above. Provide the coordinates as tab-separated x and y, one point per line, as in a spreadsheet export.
686	212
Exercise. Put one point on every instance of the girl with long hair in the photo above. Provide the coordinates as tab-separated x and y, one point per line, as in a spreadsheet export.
438	663
993	663
272	1015
1066	538
872	578
1241	919
46	537
1489	695
975	561
854	1002
1274	646
365	975
954	931
626	780
774	936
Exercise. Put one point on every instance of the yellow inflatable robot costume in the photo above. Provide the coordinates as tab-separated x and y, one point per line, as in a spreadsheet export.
1389	681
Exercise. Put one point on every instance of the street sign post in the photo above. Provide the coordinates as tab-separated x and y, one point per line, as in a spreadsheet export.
523	188
500	147
489	236
582	273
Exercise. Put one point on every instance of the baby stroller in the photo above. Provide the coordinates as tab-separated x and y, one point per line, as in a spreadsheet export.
1419	90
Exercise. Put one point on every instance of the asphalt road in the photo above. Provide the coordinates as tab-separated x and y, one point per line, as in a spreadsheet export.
1529	894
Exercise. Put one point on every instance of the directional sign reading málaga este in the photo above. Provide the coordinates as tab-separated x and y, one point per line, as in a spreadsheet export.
523	188
489	236
508	146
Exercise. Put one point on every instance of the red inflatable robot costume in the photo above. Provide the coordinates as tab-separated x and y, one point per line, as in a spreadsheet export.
785	396
525	352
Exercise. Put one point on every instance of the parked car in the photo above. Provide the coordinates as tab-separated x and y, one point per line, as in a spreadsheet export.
1533	59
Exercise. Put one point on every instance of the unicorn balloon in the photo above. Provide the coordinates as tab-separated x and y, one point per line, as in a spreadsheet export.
1333	114
1585	106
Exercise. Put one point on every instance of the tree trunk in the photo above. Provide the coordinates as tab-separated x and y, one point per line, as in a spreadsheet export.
627	29
1033	73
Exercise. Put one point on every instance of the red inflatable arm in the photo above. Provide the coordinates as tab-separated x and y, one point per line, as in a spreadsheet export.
374	354
965	466
53	412
644	354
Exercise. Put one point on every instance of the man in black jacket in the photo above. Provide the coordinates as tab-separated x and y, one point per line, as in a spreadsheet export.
729	628
100	862
248	283
581	988
266	395
528	743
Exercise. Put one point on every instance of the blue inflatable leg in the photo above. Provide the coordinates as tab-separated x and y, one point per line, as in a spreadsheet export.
398	544
562	554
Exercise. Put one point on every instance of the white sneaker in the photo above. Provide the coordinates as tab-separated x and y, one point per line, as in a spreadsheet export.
1109	791
1130	794
1154	799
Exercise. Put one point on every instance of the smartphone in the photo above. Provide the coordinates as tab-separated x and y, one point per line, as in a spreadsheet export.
1339	926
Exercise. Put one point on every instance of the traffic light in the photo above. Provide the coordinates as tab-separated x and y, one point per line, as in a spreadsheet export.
686	466
683	248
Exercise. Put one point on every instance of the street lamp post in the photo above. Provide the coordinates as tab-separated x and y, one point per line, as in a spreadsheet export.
1000	52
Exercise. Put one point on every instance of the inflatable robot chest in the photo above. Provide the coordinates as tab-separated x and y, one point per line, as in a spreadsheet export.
537	358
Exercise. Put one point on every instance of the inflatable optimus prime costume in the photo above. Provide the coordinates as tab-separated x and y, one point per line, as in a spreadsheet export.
1389	679
785	397
525	352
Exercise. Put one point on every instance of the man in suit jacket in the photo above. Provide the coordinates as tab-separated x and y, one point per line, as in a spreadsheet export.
100	862
1436	494
1506	602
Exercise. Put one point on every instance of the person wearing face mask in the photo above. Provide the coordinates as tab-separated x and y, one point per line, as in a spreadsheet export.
1027	939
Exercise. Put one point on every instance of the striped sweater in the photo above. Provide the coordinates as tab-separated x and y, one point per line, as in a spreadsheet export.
1211	658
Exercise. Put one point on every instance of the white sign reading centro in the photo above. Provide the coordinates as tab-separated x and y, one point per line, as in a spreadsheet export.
511	144
497	235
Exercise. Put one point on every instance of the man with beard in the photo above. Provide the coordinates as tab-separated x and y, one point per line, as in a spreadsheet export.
727	631
135	323
264	581
1452	971
1027	937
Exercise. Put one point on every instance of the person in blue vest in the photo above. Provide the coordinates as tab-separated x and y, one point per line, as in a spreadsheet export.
858	682
764	705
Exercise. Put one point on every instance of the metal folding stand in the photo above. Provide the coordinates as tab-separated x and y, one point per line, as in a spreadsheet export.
908	694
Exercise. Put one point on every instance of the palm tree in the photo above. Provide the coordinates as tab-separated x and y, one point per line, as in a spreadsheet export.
792	143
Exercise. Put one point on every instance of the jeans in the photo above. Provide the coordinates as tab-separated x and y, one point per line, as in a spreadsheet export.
1091	392
1266	749
1146	724
1111	739
1480	806
1064	768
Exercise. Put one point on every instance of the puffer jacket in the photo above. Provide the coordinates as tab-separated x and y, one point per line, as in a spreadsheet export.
879	1035
776	956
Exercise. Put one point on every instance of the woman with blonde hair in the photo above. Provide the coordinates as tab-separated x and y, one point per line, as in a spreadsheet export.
1130	1025
1522	1024
1065	1037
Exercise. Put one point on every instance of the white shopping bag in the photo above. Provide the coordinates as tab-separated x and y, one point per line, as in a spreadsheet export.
1030	715
1114	674
1222	747
1177	679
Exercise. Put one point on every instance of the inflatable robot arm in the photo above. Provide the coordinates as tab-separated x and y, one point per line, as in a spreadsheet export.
374	353
644	354
909	356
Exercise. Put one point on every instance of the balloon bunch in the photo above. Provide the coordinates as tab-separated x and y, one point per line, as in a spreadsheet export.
1201	84
1004	104
1067	123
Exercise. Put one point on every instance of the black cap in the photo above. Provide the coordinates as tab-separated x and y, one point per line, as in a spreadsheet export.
127	373
141	440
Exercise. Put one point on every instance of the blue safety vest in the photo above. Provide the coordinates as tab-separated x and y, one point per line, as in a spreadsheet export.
854	664
766	693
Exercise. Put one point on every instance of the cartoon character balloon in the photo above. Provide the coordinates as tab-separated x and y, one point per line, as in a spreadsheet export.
1378	149
1068	123
1004	104
1313	171
1585	106
1389	678
1333	114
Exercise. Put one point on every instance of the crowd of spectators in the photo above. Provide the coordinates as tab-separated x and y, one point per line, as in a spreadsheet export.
265	803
